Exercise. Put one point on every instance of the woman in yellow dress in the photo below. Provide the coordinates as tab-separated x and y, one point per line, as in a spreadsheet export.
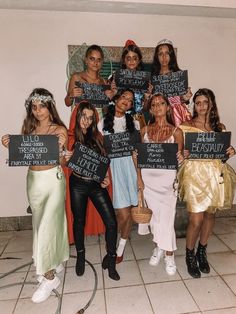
204	184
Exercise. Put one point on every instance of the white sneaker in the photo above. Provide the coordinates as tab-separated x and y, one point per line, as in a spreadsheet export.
58	270
44	290
156	256
170	264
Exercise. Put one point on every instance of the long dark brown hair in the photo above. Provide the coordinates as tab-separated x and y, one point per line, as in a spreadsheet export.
214	119
169	113
109	117
30	122
135	49
93	137
173	65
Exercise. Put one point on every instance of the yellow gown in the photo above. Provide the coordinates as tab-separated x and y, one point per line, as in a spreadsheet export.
206	184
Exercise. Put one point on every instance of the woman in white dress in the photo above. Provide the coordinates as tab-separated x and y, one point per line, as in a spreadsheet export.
159	184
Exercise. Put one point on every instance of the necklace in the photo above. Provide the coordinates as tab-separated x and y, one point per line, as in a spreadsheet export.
92	79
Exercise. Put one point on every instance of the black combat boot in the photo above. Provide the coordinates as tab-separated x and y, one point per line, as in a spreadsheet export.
191	262
202	258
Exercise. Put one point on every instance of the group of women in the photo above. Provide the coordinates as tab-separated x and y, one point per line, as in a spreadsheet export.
205	185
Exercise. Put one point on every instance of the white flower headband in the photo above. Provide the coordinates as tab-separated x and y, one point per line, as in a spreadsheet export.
37	97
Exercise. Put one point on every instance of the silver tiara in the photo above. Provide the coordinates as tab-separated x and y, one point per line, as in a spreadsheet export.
165	41
37	97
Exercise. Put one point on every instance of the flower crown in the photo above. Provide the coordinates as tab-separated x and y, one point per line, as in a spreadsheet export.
37	97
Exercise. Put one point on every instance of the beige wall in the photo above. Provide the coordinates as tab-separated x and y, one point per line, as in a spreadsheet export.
34	54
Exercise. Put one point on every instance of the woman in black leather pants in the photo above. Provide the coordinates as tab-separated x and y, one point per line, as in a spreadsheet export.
82	188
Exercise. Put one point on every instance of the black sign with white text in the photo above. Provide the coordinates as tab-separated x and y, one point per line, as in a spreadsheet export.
135	80
157	155
207	145
121	144
94	93
88	163
172	84
33	150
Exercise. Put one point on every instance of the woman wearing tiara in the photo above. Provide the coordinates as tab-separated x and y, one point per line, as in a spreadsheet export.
164	63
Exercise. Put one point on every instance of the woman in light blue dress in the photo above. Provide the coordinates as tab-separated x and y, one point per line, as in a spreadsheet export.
124	175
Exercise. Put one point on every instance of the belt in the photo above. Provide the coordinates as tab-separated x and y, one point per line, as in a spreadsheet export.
80	177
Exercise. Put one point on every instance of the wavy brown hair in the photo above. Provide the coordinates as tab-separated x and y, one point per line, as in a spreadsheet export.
30	122
92	138
214	119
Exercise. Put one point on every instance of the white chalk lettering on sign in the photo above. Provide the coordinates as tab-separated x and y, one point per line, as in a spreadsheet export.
206	137
86	164
200	147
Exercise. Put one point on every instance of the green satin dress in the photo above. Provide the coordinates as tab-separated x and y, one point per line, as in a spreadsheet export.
46	195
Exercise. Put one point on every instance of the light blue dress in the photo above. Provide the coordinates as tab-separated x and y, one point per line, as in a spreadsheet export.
124	175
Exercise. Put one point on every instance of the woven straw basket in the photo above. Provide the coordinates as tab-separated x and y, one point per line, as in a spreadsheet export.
141	214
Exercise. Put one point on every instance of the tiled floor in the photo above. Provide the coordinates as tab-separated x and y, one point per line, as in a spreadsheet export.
142	289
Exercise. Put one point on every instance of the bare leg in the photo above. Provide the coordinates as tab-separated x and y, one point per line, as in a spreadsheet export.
124	220
193	229
207	227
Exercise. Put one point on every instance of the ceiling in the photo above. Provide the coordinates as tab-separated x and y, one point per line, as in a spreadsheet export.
205	8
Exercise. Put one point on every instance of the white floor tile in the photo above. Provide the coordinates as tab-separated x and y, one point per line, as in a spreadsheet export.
222	311
134	236
151	274
211	293
92	254
22	258
19	244
127	300
181	246
7	307
75	301
223	263
129	275
231	282
229	240
13	291
7	234
74	283
225	225
216	245
26	306
168	294
142	249
171	298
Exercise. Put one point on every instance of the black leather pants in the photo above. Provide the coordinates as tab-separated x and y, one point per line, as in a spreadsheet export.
80	191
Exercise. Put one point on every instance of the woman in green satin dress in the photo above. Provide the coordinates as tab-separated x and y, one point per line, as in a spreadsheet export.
46	194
